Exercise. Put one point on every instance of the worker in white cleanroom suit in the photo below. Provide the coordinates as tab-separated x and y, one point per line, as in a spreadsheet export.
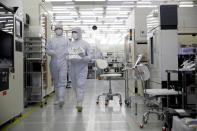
79	67
57	48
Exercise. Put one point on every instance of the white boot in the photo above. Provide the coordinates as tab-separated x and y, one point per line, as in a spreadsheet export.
79	106
56	97
61	104
56	102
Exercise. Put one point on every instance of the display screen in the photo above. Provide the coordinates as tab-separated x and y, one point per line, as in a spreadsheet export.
6	49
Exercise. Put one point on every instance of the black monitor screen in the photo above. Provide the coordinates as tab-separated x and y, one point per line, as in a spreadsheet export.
6	48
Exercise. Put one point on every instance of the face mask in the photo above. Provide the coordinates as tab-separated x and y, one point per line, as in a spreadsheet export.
75	36
59	32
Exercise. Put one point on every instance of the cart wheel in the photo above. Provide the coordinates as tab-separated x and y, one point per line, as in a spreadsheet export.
141	126
164	129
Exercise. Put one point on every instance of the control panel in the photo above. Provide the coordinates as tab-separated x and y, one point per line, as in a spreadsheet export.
4	79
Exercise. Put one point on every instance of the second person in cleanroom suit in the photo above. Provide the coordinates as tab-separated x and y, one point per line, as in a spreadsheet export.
57	48
79	68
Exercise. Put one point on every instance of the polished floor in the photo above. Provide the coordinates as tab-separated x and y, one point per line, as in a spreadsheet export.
93	118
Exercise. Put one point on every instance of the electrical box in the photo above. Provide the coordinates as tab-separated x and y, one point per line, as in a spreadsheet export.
4	79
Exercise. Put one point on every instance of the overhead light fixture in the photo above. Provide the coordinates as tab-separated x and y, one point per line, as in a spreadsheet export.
63	7
186	5
2	21
122	6
86	13
8	24
60	9
87	16
119	0
113	8
6	17
61	12
146	6
98	9
65	17
57	0
143	2
186	2
8	27
6	30
89	0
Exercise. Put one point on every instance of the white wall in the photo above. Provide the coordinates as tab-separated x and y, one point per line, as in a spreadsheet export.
130	22
187	20
31	7
140	23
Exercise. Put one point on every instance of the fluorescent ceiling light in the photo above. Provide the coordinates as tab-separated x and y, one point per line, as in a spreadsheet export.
8	27
2	21
116	16
87	16
61	12
89	21
89	0
86	13
118	0
121	6
146	6
113	23
6	30
56	0
123	13
63	7
113	8
186	5
8	24
98	9
143	2
70	23
188	2
6	17
65	17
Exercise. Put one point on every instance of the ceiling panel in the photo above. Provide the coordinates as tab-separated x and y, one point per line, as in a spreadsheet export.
108	15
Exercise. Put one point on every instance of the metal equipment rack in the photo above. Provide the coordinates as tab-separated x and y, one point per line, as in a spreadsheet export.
35	71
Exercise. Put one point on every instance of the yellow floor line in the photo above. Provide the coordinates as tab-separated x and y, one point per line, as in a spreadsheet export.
17	121
31	111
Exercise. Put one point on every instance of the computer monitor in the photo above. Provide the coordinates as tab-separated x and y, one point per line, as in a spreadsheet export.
6	49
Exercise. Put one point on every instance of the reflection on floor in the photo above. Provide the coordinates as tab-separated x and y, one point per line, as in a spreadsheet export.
93	118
